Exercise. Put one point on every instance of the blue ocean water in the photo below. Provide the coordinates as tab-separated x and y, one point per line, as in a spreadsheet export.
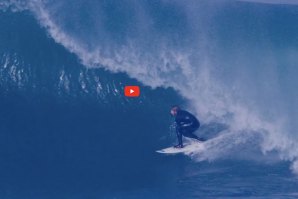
67	131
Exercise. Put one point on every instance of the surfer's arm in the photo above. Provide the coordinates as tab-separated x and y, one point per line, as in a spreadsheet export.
186	119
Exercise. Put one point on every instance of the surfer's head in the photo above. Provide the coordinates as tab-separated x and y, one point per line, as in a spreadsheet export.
174	110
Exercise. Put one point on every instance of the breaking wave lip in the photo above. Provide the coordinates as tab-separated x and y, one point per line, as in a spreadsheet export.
174	68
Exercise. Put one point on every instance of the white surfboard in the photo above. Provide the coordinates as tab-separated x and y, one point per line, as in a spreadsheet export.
187	149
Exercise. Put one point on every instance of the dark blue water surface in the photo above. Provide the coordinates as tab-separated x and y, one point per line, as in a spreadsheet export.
67	131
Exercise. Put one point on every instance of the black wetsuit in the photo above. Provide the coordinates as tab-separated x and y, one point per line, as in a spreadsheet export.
186	125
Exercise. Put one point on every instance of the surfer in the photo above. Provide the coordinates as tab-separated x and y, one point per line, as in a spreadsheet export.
186	125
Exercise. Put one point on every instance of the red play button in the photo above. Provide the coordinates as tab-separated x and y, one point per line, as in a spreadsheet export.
132	91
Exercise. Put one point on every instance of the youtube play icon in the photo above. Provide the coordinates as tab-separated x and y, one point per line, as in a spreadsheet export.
132	91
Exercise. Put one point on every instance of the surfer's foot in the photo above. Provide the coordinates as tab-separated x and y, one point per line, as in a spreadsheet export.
178	146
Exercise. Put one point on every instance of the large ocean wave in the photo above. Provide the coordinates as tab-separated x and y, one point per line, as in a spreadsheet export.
234	62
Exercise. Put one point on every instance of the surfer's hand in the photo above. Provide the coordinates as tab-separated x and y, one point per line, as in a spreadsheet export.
186	124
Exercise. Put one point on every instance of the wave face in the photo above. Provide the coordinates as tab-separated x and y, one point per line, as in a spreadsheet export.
233	63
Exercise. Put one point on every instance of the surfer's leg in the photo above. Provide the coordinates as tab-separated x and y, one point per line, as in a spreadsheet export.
179	137
189	132
193	136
